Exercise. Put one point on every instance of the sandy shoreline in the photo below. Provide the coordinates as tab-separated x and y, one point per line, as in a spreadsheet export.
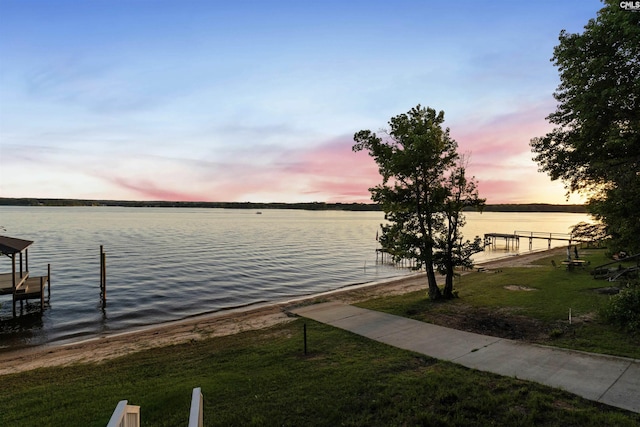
217	324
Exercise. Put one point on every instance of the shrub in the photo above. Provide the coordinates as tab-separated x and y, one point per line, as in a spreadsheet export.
624	309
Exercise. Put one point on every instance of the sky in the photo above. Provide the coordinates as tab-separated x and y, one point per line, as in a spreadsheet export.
258	101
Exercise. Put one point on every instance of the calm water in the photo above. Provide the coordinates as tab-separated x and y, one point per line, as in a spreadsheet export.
167	264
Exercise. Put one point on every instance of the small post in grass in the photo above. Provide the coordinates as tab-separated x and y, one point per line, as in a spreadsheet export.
569	315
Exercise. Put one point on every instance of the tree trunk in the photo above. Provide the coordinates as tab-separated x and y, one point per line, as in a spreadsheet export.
447	293
434	291
427	233
452	217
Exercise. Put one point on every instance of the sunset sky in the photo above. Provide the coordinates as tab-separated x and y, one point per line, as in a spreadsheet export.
258	101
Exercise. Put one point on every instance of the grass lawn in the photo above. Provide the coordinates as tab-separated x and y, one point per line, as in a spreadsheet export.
553	292
263	378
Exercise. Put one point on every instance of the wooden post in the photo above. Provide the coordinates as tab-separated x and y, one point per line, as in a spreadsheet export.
104	279
101	252
41	294
13	278
49	282
305	339
103	276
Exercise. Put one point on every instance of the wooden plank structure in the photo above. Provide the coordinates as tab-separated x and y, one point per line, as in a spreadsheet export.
513	240
197	408
383	256
19	283
125	415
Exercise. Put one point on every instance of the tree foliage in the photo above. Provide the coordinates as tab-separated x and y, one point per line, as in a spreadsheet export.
624	309
591	233
423	191
595	148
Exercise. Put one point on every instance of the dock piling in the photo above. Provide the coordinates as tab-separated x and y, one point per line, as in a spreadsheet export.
41	293
103	276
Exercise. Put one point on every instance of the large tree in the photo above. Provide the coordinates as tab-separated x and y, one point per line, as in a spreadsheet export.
460	193
423	191
595	148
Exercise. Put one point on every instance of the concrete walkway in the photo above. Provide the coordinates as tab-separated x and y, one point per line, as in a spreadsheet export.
611	380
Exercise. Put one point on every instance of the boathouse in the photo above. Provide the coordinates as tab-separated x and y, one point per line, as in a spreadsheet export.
18	283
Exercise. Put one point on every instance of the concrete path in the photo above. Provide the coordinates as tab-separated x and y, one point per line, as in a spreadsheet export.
611	380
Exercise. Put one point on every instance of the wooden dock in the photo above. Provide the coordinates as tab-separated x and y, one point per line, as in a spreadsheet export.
513	240
385	257
19	283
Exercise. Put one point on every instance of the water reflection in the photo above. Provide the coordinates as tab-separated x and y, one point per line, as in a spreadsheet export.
23	329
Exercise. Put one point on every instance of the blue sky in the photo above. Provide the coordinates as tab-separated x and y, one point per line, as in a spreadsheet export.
259	100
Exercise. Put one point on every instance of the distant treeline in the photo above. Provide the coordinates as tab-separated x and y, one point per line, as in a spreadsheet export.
536	207
314	206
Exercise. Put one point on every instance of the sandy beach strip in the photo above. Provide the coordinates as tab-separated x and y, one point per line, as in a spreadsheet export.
105	347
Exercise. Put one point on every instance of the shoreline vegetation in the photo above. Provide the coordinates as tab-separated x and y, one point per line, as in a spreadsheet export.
252	370
312	206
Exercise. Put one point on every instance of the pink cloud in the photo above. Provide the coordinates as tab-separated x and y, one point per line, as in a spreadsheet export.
150	191
504	135
328	171
500	191
501	158
332	172
335	170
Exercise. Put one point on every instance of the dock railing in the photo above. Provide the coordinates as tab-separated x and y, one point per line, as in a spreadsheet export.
514	239
544	235
126	415
195	415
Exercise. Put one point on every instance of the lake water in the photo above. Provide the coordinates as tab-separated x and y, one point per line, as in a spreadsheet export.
166	264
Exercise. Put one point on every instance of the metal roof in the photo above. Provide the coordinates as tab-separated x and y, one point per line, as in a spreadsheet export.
11	245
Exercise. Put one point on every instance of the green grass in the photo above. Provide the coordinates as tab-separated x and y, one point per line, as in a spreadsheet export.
263	378
556	291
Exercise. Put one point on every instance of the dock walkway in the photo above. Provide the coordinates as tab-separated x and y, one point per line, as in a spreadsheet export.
19	283
614	381
513	240
30	288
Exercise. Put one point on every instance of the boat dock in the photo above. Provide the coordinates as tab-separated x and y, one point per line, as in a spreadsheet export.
513	240
19	283
385	257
